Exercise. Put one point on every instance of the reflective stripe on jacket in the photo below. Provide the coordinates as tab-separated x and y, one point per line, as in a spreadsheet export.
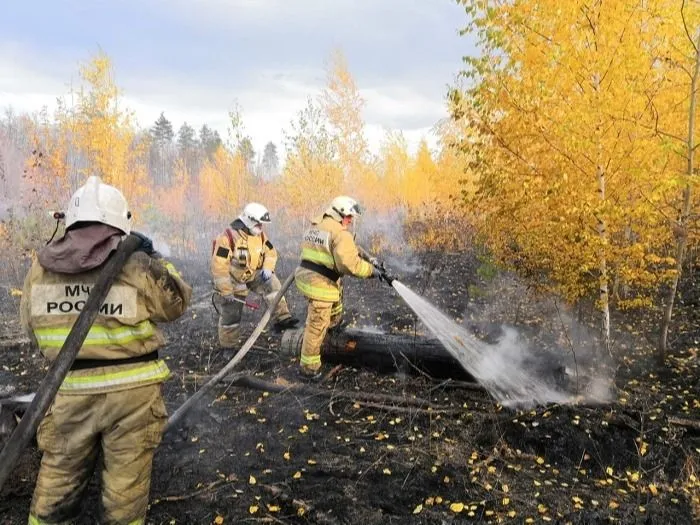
145	292
236	257
330	245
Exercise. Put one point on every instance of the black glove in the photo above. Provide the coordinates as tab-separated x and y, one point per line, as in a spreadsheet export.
146	245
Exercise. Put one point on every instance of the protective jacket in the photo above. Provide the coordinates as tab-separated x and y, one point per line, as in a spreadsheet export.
146	291
236	257
328	251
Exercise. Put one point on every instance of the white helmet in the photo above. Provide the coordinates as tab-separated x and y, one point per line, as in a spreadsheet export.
98	202
254	214
343	206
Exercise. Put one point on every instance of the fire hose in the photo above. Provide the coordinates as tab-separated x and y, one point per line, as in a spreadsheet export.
59	368
226	370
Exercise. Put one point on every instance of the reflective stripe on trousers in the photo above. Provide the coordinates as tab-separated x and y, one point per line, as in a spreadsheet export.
33	520
97	336
319	293
318	257
155	371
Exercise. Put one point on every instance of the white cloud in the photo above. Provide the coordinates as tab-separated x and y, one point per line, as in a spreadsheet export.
269	98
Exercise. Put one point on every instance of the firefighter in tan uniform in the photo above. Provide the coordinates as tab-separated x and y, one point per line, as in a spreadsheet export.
111	399
328	251
244	259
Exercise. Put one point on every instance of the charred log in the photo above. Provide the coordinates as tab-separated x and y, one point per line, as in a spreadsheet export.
386	353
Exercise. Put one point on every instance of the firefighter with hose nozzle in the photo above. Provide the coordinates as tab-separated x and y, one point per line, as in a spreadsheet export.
110	401
243	259
328	251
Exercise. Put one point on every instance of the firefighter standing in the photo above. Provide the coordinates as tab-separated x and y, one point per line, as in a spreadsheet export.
111	399
328	252
244	259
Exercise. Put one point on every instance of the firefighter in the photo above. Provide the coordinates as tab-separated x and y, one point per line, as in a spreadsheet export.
244	259
110	400
328	251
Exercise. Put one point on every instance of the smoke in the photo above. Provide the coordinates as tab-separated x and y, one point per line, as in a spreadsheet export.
384	235
513	373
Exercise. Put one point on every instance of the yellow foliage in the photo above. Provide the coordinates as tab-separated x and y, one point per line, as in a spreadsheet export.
574	181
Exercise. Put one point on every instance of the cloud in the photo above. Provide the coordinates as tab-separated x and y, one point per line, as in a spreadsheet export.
194	60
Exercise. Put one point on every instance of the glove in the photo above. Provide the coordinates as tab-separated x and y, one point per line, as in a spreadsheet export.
146	245
266	275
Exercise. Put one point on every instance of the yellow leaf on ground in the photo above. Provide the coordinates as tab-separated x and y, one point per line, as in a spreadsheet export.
273	508
652	488
253	509
252	480
218	520
457	507
297	475
418	509
387	471
286	456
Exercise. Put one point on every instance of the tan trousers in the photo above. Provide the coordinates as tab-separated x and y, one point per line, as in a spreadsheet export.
321	316
229	326
126	426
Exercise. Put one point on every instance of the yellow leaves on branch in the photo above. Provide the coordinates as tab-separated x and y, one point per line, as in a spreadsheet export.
572	173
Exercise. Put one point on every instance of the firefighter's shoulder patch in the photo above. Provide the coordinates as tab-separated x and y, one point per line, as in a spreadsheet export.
269	245
222	252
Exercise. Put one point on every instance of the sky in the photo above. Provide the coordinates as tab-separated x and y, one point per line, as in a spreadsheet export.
197	59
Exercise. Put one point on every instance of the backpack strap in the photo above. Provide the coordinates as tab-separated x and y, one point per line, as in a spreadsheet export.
229	234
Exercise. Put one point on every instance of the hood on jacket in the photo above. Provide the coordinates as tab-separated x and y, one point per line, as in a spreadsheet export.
239	225
80	249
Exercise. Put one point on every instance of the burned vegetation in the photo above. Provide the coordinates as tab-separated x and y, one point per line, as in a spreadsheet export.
400	433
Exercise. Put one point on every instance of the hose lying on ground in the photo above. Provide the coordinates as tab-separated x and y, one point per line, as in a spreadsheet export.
226	370
58	370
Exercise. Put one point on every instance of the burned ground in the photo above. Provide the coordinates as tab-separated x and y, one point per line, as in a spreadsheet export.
250	456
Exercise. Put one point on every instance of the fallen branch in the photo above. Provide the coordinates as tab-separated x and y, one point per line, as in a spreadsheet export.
411	410
682	422
463	385
212	487
266	386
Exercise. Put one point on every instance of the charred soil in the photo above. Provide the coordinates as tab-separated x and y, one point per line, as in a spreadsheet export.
249	456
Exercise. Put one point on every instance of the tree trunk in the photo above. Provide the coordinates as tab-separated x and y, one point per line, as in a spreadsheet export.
681	226
602	228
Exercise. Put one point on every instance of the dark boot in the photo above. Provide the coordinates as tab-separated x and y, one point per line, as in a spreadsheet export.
285	324
307	376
